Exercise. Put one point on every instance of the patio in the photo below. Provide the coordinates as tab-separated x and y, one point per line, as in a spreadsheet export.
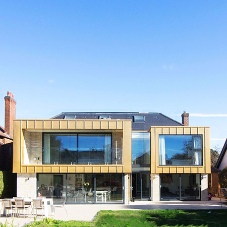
87	212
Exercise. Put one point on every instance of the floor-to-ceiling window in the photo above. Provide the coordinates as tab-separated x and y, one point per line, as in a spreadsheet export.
81	188
141	165
180	186
80	148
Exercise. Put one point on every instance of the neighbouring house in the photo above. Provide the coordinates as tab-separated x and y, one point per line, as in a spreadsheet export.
111	157
213	182
222	159
7	178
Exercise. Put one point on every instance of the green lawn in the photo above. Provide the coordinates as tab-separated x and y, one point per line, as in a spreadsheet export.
149	218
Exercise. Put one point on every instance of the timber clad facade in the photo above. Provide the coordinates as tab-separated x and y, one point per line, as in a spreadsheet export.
111	158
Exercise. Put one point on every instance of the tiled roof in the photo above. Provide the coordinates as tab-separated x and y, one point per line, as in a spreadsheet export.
3	134
151	119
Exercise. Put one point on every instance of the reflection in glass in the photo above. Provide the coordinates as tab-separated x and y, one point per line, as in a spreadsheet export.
141	148
94	148
80	188
180	150
180	187
77	149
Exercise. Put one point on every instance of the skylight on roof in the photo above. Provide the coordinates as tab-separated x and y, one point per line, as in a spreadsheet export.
104	117
69	116
139	118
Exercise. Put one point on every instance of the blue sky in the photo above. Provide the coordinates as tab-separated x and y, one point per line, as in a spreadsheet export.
147	56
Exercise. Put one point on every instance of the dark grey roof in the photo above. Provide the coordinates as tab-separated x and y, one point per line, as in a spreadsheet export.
151	119
221	156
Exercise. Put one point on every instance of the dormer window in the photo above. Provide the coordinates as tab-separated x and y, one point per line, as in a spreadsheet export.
70	117
139	118
104	117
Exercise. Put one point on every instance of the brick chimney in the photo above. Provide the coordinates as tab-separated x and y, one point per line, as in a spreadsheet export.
185	118
10	113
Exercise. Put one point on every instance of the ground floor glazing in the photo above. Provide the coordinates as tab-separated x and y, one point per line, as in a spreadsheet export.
113	188
81	188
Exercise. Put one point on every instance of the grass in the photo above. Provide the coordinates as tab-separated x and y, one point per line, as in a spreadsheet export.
145	218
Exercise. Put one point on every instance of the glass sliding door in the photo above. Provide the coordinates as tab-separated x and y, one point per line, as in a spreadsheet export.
109	188
141	186
180	187
190	184
52	186
81	188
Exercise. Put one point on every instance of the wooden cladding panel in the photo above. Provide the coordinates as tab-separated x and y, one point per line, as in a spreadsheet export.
23	169
112	125
88	125
38	124
96	125
88	169
112	169
63	169
30	124
104	169
165	131
104	124
119	169
79	124
194	131
55	169
47	169
180	131
47	125
96	169
171	130
38	169
187	170
173	170
119	124
80	169
55	124
187	131
30	169
63	124
71	125
71	169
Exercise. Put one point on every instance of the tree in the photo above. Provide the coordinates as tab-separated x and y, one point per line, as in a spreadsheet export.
214	156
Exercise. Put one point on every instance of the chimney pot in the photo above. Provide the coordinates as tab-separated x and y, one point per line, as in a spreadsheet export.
185	118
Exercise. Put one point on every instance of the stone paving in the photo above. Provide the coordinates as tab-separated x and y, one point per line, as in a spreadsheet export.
87	212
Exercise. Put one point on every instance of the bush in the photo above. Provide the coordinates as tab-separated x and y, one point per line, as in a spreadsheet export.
223	178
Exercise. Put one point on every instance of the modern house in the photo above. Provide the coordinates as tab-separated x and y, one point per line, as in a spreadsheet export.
111	157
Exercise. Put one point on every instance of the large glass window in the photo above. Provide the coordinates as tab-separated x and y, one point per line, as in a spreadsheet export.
141	148
81	188
180	186
77	149
94	148
180	150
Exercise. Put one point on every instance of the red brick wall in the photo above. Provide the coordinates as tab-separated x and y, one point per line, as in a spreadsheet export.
10	113
185	119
